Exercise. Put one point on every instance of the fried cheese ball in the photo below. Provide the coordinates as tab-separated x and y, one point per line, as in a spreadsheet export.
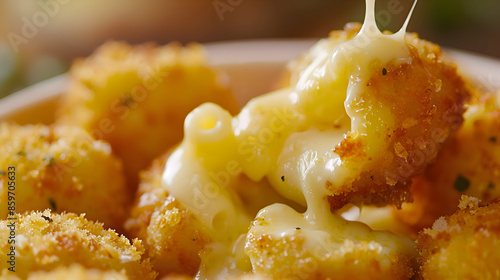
64	169
45	241
468	163
136	98
408	110
465	245
338	250
170	233
289	260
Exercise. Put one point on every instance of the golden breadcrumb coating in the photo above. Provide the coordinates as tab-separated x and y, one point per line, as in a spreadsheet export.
468	163
64	169
136	98
465	245
78	272
410	109
170	233
288	258
46	241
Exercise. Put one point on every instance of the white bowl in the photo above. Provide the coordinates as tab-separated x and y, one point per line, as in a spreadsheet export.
251	66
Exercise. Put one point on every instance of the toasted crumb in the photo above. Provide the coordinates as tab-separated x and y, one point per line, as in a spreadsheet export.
64	169
43	246
465	245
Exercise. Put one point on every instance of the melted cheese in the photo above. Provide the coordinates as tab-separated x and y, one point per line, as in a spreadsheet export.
286	136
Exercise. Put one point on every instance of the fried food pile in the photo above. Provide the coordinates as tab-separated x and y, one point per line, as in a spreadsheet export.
260	194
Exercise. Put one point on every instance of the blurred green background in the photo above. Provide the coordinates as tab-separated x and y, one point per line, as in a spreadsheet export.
40	38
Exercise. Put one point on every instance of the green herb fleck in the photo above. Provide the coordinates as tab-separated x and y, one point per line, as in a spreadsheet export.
21	153
491	186
2	172
283	178
493	139
52	204
384	71
461	184
51	161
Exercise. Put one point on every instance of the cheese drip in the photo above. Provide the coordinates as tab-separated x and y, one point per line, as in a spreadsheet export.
287	136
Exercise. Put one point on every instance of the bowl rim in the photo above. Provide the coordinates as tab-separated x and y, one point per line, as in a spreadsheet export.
479	67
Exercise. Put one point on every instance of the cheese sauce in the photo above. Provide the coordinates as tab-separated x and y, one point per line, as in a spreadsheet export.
287	136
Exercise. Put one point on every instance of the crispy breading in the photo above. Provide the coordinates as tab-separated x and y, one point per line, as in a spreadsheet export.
289	258
171	235
136	98
46	241
410	109
465	245
64	169
468	163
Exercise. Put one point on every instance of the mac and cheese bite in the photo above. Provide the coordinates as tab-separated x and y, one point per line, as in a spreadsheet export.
64	169
468	164
48	242
136	97
464	245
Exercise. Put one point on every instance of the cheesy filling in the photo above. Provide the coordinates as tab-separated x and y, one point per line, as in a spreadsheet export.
287	136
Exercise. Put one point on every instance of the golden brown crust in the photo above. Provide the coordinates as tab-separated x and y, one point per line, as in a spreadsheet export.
136	98
46	241
287	258
62	168
412	108
469	163
425	100
465	245
171	235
